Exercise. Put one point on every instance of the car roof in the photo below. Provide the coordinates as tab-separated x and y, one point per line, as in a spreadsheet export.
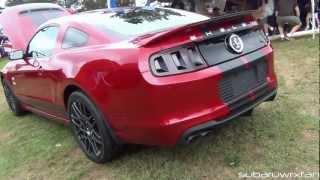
96	20
87	14
83	17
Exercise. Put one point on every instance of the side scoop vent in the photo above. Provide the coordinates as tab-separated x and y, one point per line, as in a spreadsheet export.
195	57
160	65
177	61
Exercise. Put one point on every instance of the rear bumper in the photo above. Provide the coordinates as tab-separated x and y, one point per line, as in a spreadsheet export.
204	128
179	131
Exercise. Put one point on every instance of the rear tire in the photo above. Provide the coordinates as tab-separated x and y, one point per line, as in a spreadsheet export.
90	129
248	113
12	101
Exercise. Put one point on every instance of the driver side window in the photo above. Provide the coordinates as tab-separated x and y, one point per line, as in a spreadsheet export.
44	42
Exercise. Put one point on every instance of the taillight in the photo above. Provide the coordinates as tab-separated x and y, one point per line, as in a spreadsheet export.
177	61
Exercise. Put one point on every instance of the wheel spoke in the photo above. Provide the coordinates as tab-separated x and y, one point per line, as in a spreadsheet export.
82	137
77	121
73	116
76	110
79	127
87	118
83	109
87	144
80	112
93	146
96	138
92	122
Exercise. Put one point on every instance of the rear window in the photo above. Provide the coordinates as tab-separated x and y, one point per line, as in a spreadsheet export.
132	22
40	16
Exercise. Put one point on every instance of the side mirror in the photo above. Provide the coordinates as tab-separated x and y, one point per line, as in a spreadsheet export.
16	55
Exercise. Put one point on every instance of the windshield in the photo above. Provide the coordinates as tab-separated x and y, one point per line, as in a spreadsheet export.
39	16
139	21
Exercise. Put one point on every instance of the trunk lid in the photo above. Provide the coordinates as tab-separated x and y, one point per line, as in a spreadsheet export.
210	37
217	47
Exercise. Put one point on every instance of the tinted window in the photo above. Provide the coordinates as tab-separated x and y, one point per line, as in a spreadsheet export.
40	16
131	22
74	38
44	42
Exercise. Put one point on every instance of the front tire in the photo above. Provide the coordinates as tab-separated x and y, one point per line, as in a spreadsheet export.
90	130
12	101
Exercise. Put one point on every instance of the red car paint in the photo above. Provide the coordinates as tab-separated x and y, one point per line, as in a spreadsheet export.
140	107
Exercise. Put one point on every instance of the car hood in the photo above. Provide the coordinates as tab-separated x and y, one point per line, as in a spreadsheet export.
21	22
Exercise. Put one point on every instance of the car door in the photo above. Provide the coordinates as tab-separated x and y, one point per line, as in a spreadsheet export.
36	79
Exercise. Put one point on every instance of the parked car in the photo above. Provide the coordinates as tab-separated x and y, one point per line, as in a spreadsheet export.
4	44
23	20
152	76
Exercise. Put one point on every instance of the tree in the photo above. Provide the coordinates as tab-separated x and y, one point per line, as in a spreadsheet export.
13	2
94	4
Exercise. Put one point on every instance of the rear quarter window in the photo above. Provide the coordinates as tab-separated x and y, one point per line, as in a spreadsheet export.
74	38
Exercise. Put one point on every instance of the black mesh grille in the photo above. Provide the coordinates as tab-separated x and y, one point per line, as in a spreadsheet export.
240	81
260	92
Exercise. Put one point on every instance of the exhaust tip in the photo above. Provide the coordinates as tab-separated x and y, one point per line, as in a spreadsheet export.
193	137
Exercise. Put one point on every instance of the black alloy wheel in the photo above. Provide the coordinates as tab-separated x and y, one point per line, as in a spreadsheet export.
90	129
86	129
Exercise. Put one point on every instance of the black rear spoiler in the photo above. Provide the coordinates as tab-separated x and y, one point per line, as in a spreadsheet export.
145	40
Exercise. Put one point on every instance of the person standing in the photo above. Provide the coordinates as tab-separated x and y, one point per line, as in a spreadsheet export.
308	8
111	3
265	13
220	4
178	4
288	12
188	5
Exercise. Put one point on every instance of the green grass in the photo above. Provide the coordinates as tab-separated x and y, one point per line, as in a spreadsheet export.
280	136
2	62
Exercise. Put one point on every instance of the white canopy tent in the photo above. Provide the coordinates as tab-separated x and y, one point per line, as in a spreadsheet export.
314	19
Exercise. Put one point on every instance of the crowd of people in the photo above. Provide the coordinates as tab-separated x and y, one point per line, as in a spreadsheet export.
284	17
290	14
